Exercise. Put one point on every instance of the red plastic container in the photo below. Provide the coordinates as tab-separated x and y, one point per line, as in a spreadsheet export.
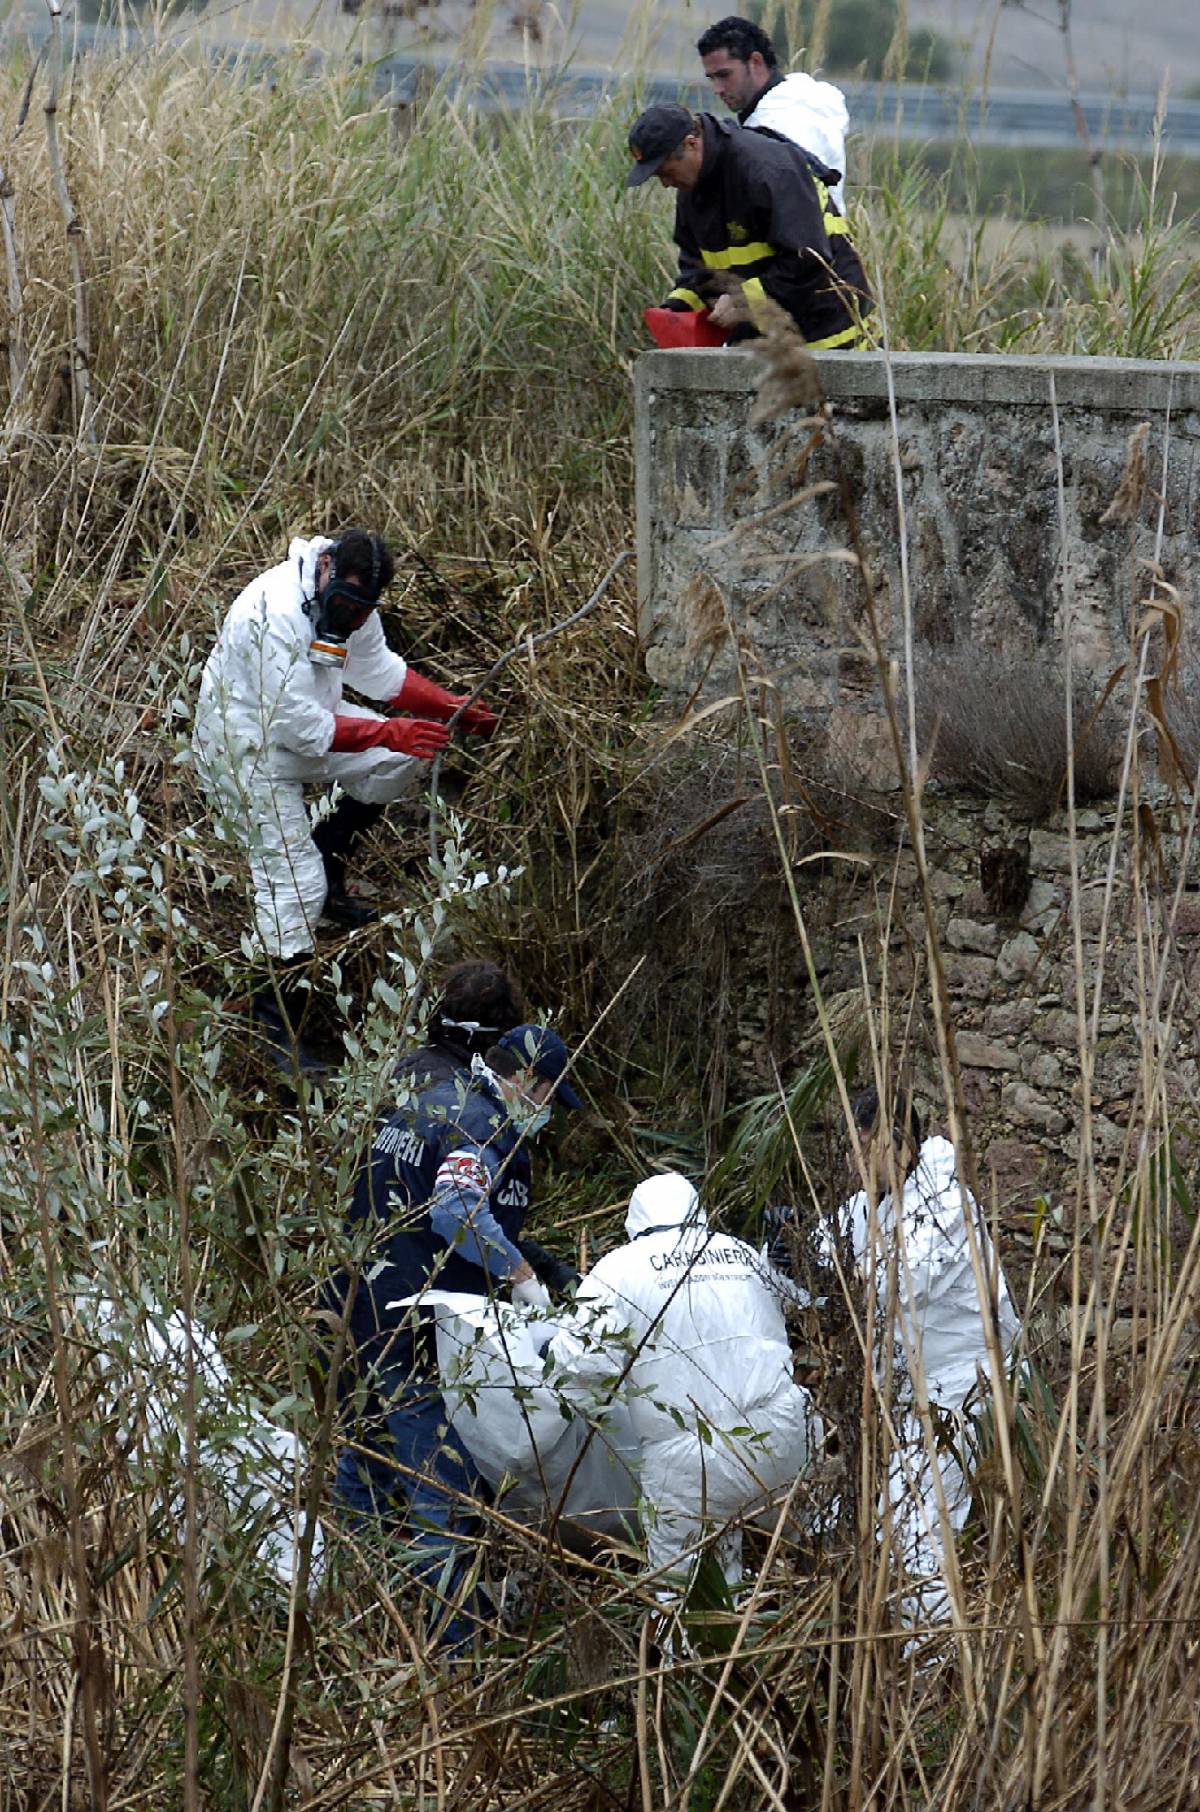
671	327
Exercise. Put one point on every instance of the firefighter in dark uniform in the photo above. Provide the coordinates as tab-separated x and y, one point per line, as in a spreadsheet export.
447	1186
756	208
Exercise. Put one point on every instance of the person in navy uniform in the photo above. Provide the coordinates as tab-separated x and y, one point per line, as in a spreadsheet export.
440	1203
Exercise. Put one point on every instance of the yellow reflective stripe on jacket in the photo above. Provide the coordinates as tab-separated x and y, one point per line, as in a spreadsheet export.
857	334
849	336
752	294
831	220
738	254
686	295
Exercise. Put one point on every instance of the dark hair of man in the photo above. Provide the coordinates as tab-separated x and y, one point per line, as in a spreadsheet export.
479	993
356	555
501	1061
865	1109
741	38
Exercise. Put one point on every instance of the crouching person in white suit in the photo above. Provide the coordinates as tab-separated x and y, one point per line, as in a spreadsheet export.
271	720
685	1325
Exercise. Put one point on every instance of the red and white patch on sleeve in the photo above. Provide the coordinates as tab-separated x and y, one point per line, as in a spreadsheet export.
463	1170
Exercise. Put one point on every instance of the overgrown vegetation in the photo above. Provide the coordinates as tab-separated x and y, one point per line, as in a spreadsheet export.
1036	185
302	312
997	725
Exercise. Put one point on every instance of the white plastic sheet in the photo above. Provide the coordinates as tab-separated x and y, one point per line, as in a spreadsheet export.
541	1455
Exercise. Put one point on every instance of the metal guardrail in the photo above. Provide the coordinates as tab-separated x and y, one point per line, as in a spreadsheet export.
909	111
1024	117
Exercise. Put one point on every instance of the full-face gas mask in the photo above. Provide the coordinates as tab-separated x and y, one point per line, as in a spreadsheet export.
341	605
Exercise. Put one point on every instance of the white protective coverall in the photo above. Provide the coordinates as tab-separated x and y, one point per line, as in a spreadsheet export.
940	1330
249	1464
264	723
685	1326
813	115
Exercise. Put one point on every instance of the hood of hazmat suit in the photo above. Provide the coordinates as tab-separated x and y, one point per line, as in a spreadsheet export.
263	692
685	1327
814	116
661	1203
939	1313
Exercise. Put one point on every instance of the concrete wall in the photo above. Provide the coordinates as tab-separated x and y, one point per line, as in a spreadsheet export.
986	562
1011	983
977	454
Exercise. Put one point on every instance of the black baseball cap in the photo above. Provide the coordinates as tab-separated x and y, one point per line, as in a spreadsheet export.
652	138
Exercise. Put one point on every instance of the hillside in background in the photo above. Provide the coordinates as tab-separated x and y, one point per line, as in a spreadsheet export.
1116	48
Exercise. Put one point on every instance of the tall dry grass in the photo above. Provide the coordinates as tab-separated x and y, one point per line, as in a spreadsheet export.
294	321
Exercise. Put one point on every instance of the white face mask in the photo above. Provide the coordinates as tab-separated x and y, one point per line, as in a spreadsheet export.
529	1118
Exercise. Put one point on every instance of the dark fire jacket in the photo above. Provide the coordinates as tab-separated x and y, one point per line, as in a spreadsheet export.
761	212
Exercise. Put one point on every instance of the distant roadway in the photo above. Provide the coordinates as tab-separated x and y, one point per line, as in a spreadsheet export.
911	111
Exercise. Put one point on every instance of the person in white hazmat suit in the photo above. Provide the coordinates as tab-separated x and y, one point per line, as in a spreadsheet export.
271	720
917	1257
742	68
685	1327
251	1464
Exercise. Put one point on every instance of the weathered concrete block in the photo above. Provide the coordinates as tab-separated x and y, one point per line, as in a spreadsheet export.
1009	1018
968	934
1187	916
944	884
979	472
1042	907
970	976
1050	852
1025	1105
1018	958
1056	1027
1045	1071
1014	1167
1107	1139
985	1054
978	1089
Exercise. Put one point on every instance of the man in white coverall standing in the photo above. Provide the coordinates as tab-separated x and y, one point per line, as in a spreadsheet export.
271	720
740	63
919	1261
686	1326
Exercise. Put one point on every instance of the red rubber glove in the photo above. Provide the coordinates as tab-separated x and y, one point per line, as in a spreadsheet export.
406	735
421	694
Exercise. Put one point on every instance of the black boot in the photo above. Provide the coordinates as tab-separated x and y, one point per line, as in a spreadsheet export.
335	837
277	1007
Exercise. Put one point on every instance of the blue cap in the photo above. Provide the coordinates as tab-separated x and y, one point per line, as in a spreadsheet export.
540	1049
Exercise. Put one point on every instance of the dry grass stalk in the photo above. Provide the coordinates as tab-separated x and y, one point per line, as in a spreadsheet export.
997	726
791	379
81	351
17	357
1127	498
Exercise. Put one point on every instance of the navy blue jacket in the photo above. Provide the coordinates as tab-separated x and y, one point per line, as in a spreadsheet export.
441	1060
449	1186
